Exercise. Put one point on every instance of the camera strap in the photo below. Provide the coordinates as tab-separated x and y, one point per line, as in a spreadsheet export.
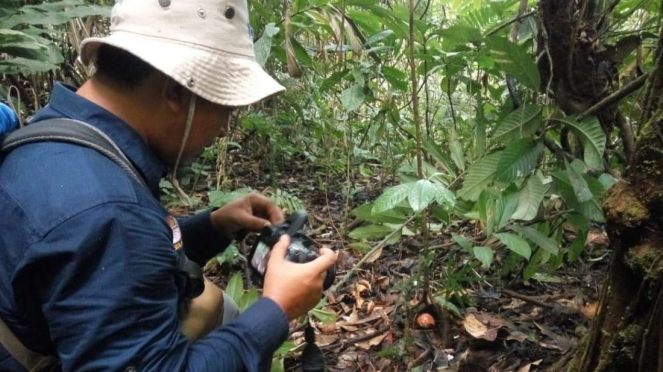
312	358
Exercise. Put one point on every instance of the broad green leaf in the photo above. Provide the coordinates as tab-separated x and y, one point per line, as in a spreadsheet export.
263	46
362	247
538	260
484	255
515	244
24	66
235	287
520	123
391	197
379	37
332	80
365	212
444	197
479	175
449	85
518	160
457	154
580	187
607	180
580	222
515	60
535	236
248	298
578	245
325	316
370	232
420	194
530	198
285	348
218	198
352	97
396	78
462	241
563	187
460	34
434	150
504	208
592	137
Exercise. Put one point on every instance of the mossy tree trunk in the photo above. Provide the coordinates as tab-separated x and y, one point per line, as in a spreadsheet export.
627	333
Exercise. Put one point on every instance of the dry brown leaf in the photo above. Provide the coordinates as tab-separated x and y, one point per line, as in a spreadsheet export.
597	238
382	282
375	341
477	329
370	305
324	340
589	311
517	336
375	255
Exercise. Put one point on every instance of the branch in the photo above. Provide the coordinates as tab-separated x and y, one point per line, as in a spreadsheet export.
615	97
505	24
628	140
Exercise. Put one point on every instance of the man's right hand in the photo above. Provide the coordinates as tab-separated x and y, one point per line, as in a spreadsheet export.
296	287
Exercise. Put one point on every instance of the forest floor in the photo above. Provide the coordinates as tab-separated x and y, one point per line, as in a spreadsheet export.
382	322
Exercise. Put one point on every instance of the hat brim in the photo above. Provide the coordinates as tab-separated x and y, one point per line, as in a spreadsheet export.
220	77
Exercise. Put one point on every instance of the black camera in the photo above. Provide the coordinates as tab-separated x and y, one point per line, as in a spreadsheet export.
300	249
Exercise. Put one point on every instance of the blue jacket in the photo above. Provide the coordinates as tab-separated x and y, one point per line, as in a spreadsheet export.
88	270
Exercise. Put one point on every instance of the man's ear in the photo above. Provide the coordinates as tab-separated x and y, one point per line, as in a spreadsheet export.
173	93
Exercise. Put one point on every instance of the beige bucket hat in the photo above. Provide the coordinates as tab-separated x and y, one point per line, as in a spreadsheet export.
205	45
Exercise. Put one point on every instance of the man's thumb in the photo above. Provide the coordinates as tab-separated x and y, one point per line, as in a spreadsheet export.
280	248
326	260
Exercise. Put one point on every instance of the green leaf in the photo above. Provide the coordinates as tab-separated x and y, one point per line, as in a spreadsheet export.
534	235
365	212
285	348
580	187
480	128
457	154
248	298
578	245
515	244
484	255
24	66
563	187
235	287
370	232
379	37
462	241
479	175
325	316
520	123
362	247
332	80
607	181
592	137
391	197
395	77
353	97
518	160
530	198
504	208
434	150
515	60
263	46
218	198
420	194
445	197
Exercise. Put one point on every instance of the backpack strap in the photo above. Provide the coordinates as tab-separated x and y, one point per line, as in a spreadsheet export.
74	132
31	361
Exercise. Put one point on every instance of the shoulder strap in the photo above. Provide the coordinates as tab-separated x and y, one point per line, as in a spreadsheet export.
71	131
30	360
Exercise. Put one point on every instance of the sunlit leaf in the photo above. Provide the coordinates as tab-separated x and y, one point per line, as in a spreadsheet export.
537	238
484	255
479	175
518	160
516	244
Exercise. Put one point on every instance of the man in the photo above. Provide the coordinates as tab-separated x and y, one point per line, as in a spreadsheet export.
88	257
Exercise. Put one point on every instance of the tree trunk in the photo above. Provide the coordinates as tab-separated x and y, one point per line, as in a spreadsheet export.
627	333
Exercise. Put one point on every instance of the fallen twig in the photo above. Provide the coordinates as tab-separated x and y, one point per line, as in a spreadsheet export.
350	342
535	301
370	253
615	97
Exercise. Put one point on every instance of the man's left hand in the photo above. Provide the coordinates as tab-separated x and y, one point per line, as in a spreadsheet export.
251	212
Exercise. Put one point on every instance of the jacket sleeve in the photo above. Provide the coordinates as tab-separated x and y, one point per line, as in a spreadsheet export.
107	283
201	241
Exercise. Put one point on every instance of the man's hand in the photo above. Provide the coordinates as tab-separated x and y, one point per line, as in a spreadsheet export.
296	287
251	212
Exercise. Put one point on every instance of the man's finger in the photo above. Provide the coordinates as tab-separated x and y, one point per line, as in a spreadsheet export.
326	260
253	223
280	249
262	205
